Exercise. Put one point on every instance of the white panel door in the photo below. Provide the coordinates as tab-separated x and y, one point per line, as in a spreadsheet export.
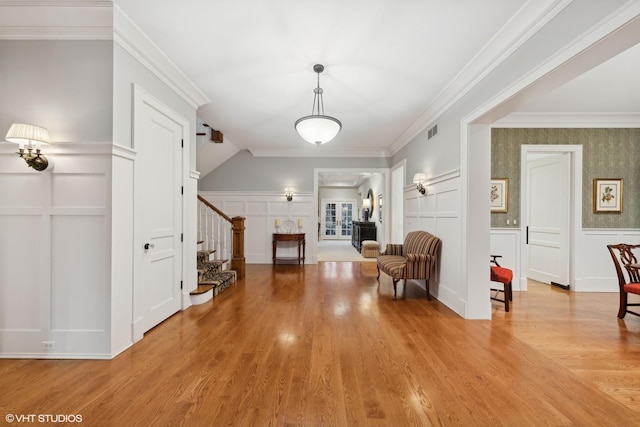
158	212
548	219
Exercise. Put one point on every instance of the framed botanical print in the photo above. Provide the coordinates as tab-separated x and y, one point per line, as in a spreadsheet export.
607	195
499	194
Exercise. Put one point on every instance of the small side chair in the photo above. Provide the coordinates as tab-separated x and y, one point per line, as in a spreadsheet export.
504	276
623	256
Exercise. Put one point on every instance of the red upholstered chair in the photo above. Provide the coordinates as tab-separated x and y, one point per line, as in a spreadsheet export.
504	276
623	255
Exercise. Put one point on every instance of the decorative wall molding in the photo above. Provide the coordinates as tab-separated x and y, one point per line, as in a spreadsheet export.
62	20
529	19
260	209
569	120
439	213
128	35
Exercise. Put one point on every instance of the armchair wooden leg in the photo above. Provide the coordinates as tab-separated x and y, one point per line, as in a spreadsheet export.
426	282
507	296
395	283
622	311
378	267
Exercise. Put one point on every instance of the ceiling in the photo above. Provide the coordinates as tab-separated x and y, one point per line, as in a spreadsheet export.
385	65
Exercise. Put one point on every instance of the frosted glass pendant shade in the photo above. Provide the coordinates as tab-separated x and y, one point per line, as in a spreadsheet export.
318	129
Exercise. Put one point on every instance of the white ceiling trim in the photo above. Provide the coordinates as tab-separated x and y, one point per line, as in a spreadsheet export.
569	120
529	19
319	153
70	20
94	20
620	28
128	35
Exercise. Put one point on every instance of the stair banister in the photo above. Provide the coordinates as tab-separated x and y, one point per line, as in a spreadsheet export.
214	237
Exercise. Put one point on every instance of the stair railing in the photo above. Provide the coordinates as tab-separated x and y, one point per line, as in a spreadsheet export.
222	234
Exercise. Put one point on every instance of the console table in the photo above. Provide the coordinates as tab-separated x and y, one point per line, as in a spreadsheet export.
362	230
292	237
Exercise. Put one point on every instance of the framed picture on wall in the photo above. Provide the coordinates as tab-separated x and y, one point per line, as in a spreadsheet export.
499	194
607	195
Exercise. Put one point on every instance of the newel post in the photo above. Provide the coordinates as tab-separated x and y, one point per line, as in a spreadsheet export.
237	259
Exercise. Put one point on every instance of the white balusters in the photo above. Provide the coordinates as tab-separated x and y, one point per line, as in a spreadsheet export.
215	232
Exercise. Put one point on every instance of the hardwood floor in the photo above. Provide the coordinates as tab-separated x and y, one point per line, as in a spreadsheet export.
321	345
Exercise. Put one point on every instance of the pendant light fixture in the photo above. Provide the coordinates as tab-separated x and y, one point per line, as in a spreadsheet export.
318	128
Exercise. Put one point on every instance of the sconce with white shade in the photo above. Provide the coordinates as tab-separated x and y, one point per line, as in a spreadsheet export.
288	193
419	179
30	139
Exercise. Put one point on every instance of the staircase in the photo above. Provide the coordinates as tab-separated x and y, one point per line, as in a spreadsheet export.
219	238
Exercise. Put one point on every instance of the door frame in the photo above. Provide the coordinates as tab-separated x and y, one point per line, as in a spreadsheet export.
574	204
387	190
142	96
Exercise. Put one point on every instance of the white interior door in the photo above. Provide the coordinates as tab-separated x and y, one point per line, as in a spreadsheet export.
548	219
337	220
158	212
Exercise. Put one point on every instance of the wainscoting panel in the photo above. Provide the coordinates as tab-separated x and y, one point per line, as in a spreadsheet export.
256	208
260	236
79	190
54	263
78	256
594	268
21	190
21	291
438	212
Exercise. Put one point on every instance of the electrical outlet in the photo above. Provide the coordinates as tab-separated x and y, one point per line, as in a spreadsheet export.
515	221
48	345
507	222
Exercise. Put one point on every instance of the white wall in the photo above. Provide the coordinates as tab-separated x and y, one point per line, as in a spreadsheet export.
66	234
439	213
462	144
54	254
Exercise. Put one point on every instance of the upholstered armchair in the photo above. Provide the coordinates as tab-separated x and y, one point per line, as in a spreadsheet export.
416	258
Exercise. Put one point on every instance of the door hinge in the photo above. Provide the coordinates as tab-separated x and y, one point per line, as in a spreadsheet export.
182	143
180	284
182	190
182	237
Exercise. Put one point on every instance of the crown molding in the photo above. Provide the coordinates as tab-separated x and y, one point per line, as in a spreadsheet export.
93	20
128	35
56	20
569	120
532	16
319	153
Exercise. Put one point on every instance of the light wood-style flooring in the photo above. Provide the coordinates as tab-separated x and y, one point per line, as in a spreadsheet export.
321	345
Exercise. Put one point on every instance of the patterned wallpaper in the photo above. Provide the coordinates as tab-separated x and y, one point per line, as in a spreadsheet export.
607	153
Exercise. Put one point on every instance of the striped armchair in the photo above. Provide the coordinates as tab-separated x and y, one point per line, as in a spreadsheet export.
414	259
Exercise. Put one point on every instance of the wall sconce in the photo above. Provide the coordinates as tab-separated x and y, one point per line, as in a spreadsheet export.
366	204
26	135
288	193
418	180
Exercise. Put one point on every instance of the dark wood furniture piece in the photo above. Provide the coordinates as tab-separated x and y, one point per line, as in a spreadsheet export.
623	255
501	275
362	231
290	237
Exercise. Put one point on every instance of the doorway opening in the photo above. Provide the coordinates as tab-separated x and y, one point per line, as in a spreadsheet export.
551	209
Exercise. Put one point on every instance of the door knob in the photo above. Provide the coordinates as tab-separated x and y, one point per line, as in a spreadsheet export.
148	246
